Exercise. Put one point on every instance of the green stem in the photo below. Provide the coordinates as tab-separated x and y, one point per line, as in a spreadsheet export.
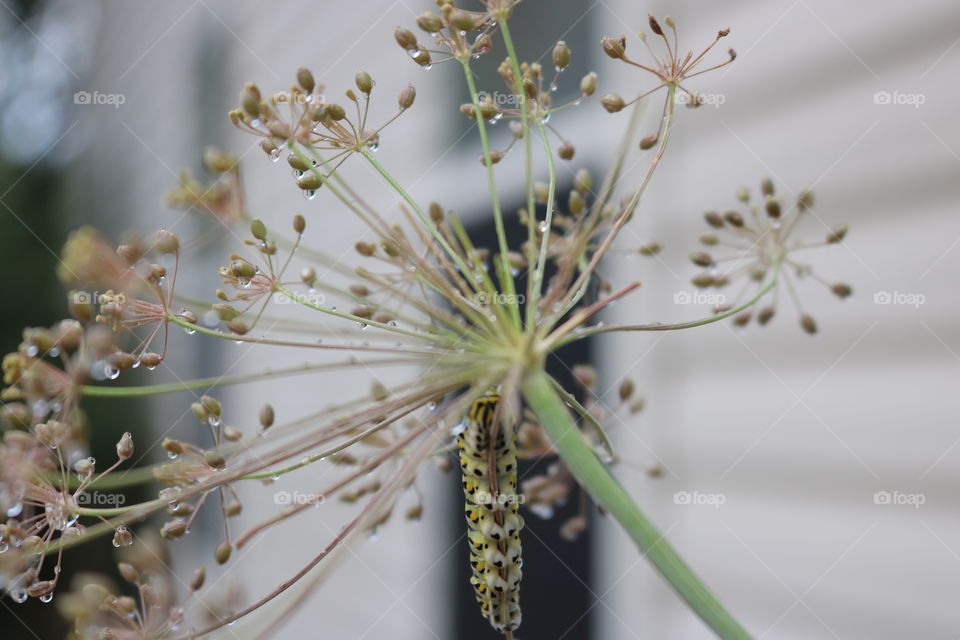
532	294
424	218
508	284
593	476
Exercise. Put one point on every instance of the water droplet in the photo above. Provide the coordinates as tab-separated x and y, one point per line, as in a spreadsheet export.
309	194
33	350
15	510
47	597
431	406
213	420
458	429
3	547
111	372
18	595
54	352
189	331
543	226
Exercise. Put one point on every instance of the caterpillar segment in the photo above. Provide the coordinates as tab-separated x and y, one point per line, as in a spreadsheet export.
492	513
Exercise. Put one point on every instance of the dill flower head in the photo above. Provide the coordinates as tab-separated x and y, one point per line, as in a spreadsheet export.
472	326
758	249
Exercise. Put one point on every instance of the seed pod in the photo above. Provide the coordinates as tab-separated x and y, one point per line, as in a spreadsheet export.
766	187
773	208
222	553
566	151
612	103
713	219
616	49
430	22
561	55
588	84
125	446
626	389
841	290
407	96
808	323
654	25
266	416
837	235
647	141
406	39
701	259
765	315
364	82
299	224
733	218
257	229
305	79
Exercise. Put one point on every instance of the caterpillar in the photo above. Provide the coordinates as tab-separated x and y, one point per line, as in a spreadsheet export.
492	511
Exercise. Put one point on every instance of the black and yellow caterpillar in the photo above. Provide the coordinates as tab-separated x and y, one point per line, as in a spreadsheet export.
492	511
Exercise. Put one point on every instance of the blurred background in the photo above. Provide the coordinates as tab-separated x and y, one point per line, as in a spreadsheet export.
827	464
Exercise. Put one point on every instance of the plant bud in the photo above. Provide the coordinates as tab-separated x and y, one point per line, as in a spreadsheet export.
173	529
649	249
701	259
364	82
407	96
125	446
838	234
841	290
805	201
734	218
765	315
151	360
250	100
365	248
266	416
129	572
808	323
647	141
612	103
305	79
588	84
257	229
566	151
616	49
713	219
405	39
561	55
167	242
773	208
199	577
222	553
430	22
654	25
766	187
626	389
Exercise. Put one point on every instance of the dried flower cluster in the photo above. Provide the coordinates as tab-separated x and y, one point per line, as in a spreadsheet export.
464	319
